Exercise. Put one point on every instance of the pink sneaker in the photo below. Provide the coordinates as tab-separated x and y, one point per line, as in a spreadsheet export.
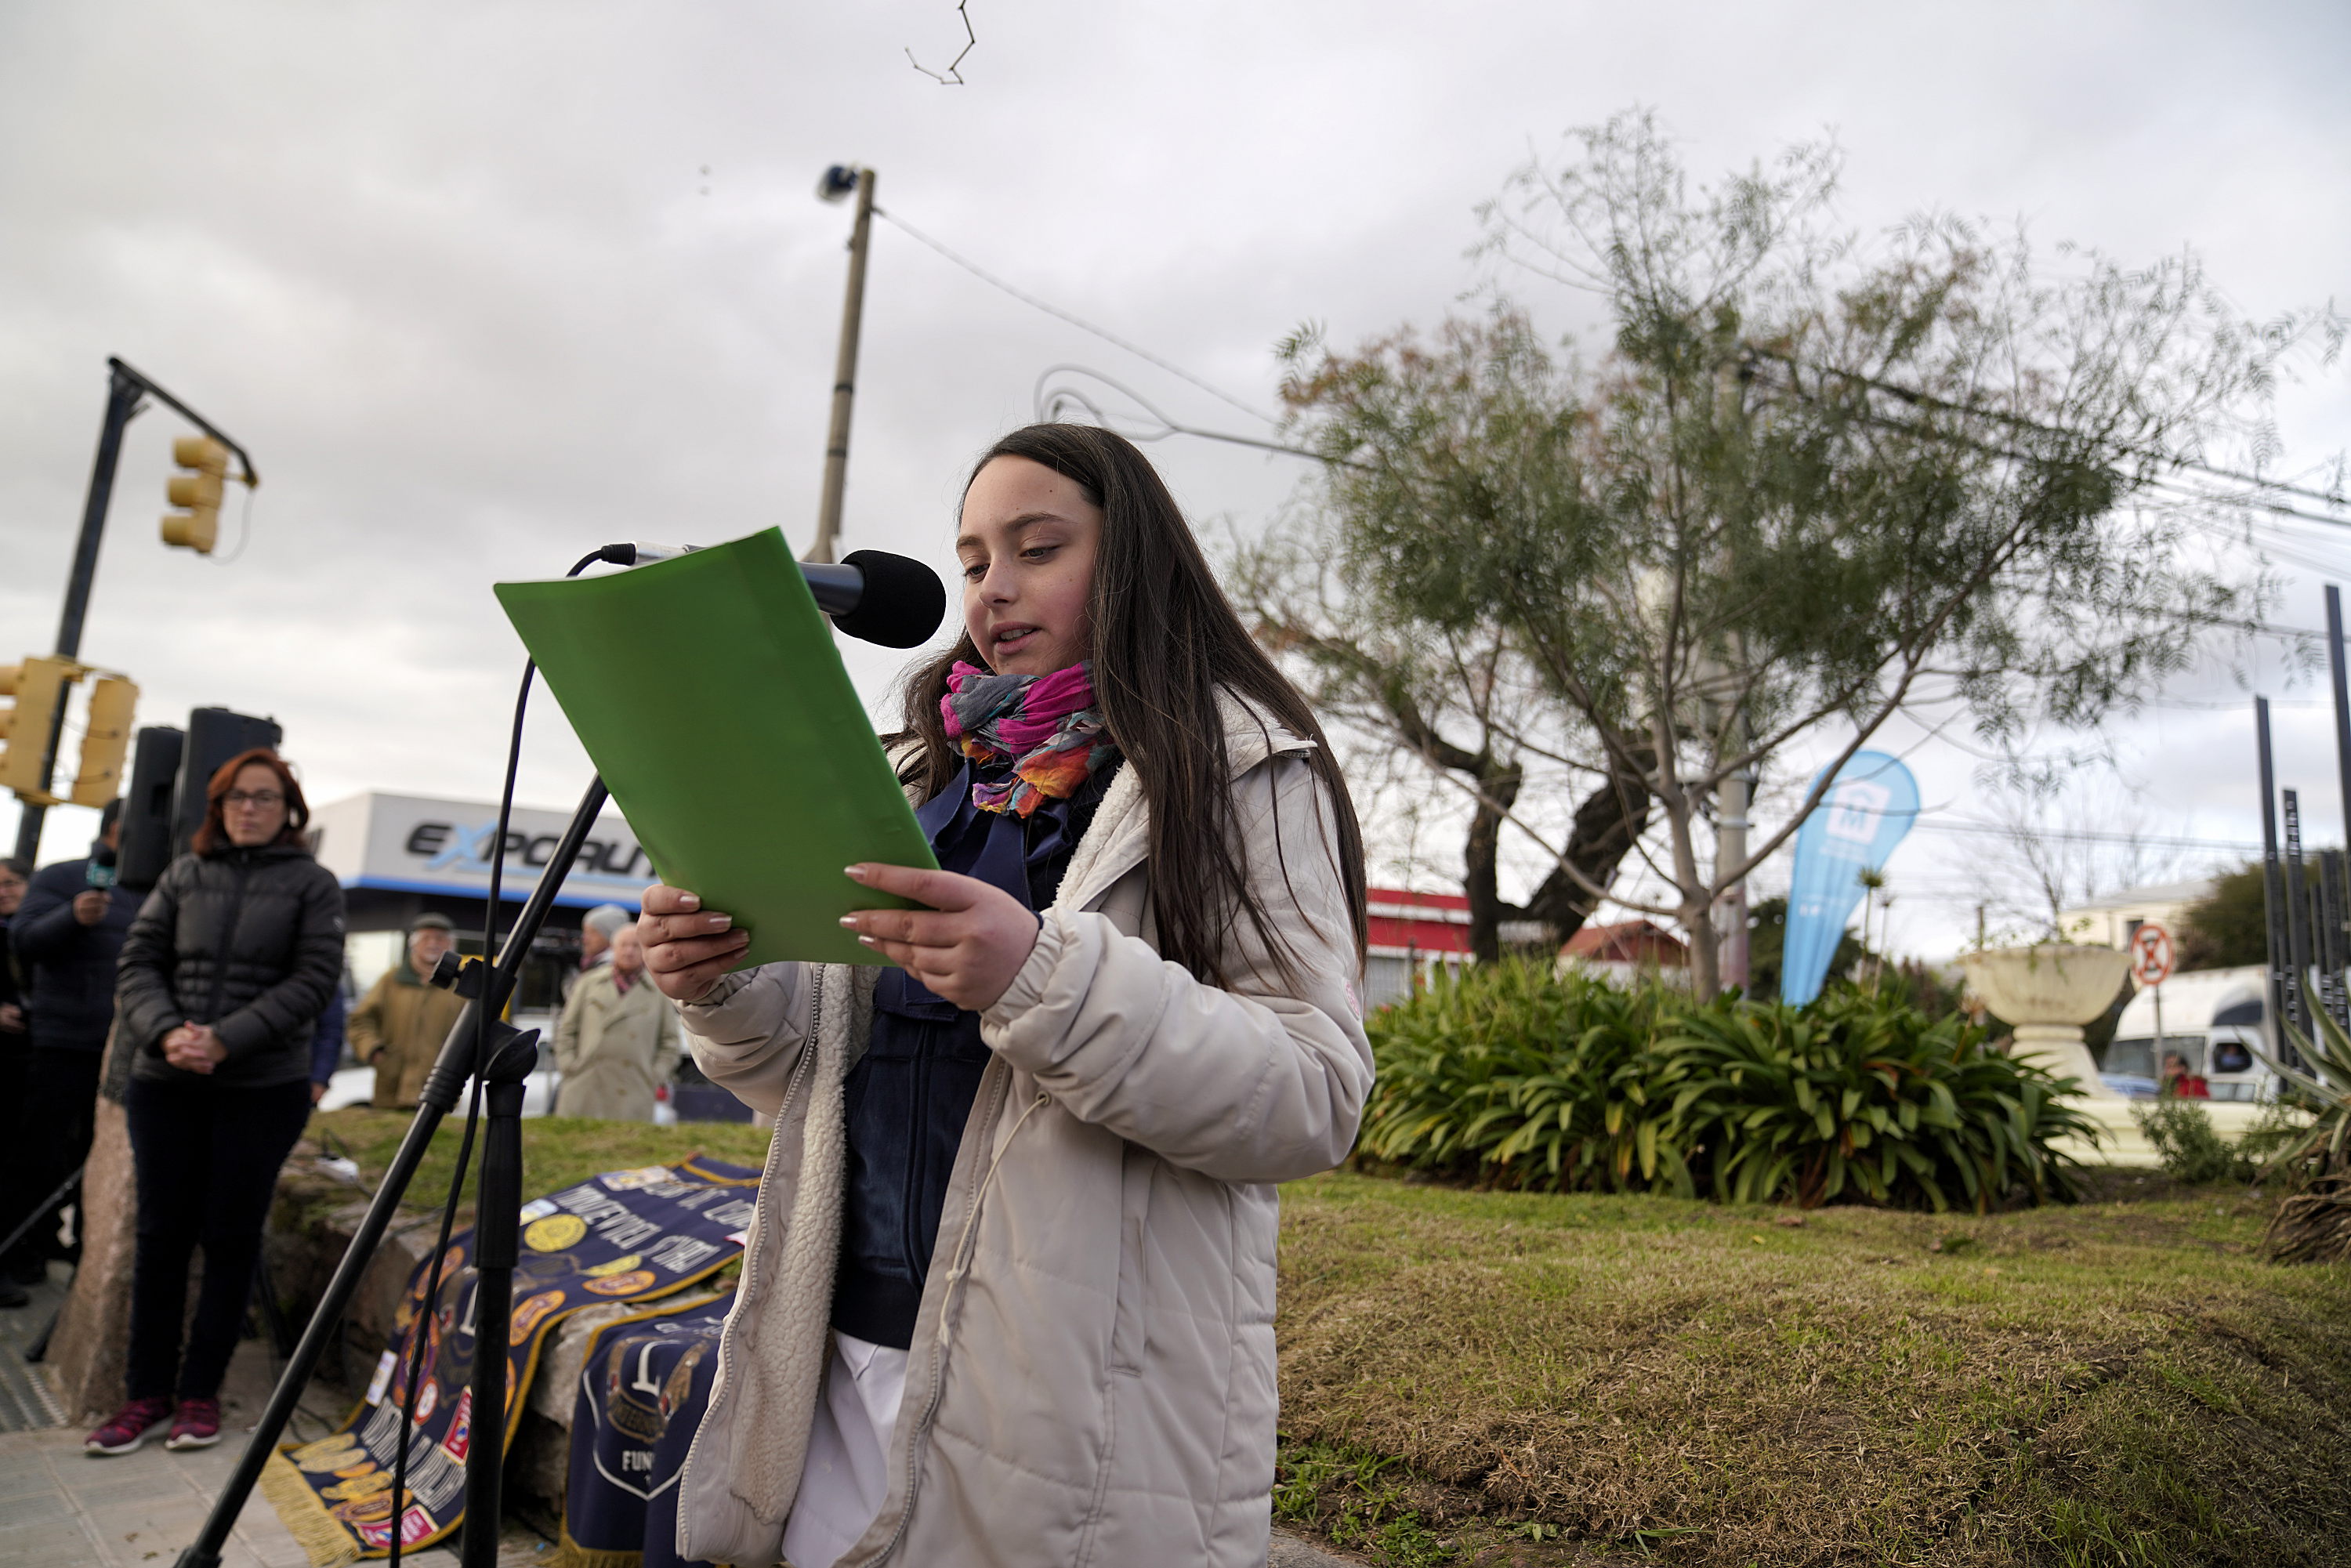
132	1425
197	1424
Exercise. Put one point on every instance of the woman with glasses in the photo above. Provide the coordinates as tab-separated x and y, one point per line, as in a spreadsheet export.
220	984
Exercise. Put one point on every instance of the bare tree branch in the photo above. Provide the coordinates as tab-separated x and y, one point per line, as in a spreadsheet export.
953	75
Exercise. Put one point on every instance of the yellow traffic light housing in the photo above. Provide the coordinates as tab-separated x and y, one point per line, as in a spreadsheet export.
105	741
197	527
39	684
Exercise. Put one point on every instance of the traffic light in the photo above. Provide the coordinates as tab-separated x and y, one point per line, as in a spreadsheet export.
104	740
39	685
199	491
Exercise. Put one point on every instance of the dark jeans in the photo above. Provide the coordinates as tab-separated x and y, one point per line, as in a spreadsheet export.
207	1159
52	1139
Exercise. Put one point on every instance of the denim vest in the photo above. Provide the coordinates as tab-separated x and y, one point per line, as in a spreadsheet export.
909	1095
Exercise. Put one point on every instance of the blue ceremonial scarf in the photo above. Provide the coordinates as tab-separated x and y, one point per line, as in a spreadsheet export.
624	1236
642	1391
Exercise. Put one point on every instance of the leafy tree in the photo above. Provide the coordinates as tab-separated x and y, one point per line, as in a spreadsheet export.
2230	928
1811	484
1433	696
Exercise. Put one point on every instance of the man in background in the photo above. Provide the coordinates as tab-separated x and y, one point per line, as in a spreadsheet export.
617	1043
400	1025
66	934
596	929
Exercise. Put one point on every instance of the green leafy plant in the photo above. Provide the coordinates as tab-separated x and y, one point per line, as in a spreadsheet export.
2185	1140
2321	1080
1857	1096
1518	1076
1514	1075
2314	1225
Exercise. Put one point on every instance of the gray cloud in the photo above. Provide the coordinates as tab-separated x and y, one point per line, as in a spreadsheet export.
451	272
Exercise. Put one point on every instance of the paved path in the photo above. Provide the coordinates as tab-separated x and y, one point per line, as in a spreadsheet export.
60	1506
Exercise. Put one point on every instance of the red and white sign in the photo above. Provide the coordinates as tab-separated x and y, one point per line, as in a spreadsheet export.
2150	951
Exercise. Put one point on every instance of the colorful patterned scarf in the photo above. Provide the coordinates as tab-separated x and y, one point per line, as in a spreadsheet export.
1046	726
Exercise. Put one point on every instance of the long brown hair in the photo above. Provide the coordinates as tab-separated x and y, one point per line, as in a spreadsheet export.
213	837
1165	642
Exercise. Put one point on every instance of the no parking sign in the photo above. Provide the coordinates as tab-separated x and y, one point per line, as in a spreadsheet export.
2150	951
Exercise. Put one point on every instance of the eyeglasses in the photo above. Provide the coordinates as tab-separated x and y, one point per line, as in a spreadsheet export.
265	799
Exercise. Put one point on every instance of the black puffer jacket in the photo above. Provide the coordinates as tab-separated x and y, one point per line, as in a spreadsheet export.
249	941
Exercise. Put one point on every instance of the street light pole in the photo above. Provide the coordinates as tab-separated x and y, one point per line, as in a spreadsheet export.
838	181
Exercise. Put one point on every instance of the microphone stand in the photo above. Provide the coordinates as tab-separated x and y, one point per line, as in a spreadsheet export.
497	1224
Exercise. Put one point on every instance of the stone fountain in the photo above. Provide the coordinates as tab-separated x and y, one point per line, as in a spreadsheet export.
2047	993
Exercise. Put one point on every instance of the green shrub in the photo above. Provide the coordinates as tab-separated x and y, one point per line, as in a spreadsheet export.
1517	1076
2318	1078
1861	1095
1514	1075
2184	1139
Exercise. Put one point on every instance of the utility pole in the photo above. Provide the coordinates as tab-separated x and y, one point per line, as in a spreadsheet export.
1731	800
838	181
125	390
2273	876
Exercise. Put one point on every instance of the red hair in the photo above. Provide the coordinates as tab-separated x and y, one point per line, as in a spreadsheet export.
214	836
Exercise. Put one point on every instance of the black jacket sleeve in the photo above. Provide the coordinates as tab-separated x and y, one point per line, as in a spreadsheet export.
290	1008
145	1007
44	929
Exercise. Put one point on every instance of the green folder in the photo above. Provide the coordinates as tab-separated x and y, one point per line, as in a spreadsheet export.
707	691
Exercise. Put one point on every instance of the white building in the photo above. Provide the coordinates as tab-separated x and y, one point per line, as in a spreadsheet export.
400	856
2108	922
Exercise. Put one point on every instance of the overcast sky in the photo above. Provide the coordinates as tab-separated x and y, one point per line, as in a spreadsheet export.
482	286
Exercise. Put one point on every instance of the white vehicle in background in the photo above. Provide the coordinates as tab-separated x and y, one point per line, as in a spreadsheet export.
354	1086
2214	1018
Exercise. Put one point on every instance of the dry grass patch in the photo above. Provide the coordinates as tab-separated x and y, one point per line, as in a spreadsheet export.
2122	1382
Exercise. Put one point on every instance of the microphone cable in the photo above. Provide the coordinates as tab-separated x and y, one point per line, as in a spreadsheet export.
420	1328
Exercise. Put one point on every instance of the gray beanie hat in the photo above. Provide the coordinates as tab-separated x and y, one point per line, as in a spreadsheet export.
606	919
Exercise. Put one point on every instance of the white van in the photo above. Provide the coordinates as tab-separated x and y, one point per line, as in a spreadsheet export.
2213	1019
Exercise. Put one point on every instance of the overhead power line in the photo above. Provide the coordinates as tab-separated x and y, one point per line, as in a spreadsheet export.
1078	322
2084	836
1920	399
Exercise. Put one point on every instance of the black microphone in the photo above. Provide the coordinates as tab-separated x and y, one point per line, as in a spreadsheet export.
878	597
873	595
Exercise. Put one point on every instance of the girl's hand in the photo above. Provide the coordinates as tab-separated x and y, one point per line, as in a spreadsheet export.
194	1047
967	946
687	948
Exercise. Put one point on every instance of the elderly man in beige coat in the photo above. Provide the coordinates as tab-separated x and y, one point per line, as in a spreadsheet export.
617	1041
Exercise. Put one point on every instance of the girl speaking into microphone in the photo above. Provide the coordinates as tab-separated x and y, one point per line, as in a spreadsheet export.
1008	1296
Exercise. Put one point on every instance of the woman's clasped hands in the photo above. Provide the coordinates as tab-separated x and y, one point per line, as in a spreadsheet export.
194	1047
966	947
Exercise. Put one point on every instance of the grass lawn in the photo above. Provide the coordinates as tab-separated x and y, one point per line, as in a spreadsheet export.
1523	1378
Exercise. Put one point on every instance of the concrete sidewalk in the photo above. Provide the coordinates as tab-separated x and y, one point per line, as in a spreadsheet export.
60	1505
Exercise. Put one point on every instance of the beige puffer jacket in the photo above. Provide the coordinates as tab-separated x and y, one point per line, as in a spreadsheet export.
1092	1378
